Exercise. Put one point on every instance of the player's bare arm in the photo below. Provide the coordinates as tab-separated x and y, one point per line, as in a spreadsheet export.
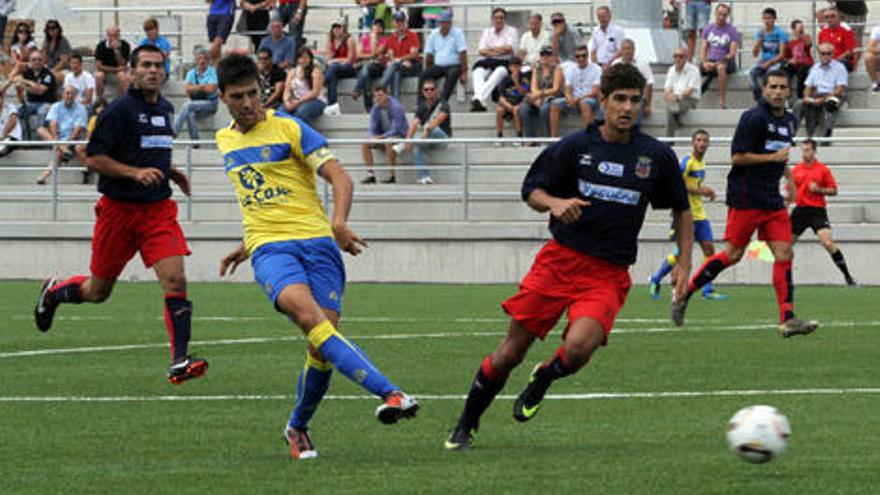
567	210
181	179
104	165
231	261
683	225
342	186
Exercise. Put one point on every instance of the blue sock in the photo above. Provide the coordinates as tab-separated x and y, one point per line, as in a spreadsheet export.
663	271
310	389
349	359
708	288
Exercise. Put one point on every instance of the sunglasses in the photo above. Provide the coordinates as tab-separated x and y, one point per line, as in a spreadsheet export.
263	57
826	53
678	56
429	89
580	55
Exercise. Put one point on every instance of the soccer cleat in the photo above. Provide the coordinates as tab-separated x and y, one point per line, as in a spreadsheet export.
301	446
653	289
851	282
526	406
677	310
794	326
714	296
44	311
397	406
460	439
191	367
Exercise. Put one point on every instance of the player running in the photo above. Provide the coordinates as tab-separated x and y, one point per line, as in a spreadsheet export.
760	148
596	184
273	160
813	181
131	150
693	171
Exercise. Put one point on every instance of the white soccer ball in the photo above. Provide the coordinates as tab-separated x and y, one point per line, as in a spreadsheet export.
757	434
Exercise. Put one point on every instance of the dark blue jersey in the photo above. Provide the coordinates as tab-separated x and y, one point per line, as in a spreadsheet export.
619	180
761	132
135	133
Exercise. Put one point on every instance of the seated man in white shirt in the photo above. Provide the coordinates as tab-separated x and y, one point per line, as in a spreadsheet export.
872	56
10	127
681	91
496	47
628	56
82	80
606	40
581	91
824	92
531	41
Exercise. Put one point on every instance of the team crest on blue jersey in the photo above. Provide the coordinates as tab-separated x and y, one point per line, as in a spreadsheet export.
250	178
643	167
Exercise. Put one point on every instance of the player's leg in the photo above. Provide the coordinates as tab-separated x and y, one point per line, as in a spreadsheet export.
668	264
827	242
704	237
367	154
391	158
178	320
776	229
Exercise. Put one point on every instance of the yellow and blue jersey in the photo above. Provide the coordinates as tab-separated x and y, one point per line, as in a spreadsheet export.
694	173
274	168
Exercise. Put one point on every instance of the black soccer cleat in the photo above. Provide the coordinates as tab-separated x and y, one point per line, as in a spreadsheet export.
526	406
191	367
794	326
677	310
460	439
44	311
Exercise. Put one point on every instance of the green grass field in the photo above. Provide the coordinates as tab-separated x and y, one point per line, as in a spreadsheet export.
104	420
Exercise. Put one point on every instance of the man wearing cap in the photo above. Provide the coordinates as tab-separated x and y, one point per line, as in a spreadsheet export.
445	56
564	40
403	53
496	47
282	47
606	41
581	91
531	41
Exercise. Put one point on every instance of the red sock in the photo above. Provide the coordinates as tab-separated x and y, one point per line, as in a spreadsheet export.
490	372
784	286
68	291
709	270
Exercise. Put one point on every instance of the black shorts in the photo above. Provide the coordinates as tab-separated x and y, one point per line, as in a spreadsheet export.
219	25
808	216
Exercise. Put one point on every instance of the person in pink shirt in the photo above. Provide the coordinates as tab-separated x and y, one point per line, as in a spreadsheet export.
371	56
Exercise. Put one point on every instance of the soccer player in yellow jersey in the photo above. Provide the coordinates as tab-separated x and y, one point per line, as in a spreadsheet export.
273	160
693	170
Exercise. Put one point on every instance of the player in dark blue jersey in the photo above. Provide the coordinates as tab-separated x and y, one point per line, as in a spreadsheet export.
759	158
131	150
596	184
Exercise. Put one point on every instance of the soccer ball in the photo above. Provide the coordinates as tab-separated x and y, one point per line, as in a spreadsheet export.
757	434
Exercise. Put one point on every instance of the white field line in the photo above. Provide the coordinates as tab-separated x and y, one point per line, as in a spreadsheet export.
398	336
428	397
355	319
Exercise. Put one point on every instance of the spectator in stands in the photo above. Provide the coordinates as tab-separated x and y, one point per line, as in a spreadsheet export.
422	16
7	7
825	92
293	14
628	56
496	47
283	49
221	15
256	18
56	48
20	48
371	55
152	37
445	57
581	91
511	93
770	44
546	85
798	58
201	87
681	90
872	56
718	52
341	55
37	86
10	126
304	95
111	61
696	17
605	43
564	40
66	121
432	120
272	80
403	55
80	149
854	14
82	80
841	38
387	121
531	41
376	9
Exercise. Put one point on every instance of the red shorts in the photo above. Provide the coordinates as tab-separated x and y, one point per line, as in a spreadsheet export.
123	229
562	278
772	225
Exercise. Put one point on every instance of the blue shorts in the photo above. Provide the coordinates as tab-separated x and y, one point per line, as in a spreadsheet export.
702	232
696	15
314	262
219	25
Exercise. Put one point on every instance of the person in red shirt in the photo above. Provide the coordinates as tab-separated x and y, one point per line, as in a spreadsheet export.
798	58
404	57
813	181
843	39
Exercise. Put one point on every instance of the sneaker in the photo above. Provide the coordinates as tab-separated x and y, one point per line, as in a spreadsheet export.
460	439
714	296
332	110
794	326
44	311
399	148
653	289
390	180
370	179
425	181
477	106
301	446
526	406
498	144
517	144
677	310
397	406
876	87
191	367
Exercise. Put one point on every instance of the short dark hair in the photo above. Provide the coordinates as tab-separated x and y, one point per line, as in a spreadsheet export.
698	132
499	9
769	10
810	142
265	49
727	7
775	73
621	76
795	23
380	87
236	68
429	80
76	56
136	54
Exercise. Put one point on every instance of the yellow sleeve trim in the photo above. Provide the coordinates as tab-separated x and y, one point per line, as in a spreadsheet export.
319	157
311	362
320	333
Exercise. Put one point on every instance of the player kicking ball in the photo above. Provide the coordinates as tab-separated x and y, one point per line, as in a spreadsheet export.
759	160
693	171
131	150
596	184
813	181
273	160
